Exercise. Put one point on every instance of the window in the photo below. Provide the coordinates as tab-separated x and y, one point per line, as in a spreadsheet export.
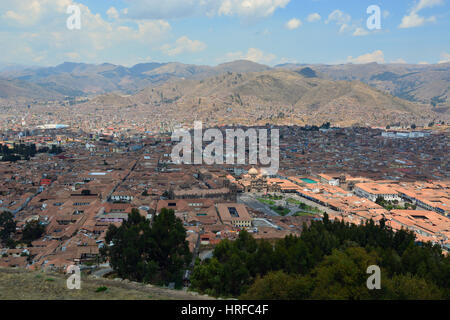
233	212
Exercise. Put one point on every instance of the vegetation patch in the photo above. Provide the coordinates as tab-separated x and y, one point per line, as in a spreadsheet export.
282	211
101	289
328	261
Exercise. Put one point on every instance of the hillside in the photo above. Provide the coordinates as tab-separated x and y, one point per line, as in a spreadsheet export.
80	79
279	96
426	84
16	284
429	84
10	89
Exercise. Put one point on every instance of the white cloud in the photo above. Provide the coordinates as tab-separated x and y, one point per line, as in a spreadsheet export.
427	4
345	24
22	13
29	37
293	24
287	60
183	45
313	17
360	32
445	57
376	56
341	18
413	19
253	54
73	56
399	61
112	13
151	9
260	8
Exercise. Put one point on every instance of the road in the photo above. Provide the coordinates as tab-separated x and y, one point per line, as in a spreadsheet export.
108	198
101	272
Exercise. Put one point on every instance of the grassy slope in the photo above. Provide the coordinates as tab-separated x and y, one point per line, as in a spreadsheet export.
18	284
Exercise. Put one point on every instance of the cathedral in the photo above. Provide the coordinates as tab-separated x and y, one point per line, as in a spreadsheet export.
255	181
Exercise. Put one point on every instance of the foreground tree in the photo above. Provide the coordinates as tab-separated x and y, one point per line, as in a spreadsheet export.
342	276
169	248
408	287
7	227
144	253
279	286
328	261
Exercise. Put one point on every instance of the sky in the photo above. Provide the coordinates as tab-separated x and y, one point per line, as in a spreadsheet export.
210	32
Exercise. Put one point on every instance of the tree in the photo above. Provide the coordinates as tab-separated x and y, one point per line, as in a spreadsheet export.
408	287
380	201
279	286
56	149
328	261
342	275
208	277
144	253
127	248
168	194
170	250
236	271
7	227
32	231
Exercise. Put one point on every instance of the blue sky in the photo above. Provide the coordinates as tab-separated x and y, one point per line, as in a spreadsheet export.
34	32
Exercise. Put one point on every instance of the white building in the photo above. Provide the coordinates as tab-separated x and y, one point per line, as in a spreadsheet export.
373	191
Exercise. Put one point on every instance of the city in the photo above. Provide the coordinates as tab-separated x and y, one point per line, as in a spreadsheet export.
225	158
353	174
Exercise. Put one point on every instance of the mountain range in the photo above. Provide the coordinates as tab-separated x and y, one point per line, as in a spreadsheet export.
419	83
375	92
80	79
428	84
273	96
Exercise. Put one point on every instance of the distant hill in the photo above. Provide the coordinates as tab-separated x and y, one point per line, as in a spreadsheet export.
81	79
305	92
428	84
307	72
279	96
10	89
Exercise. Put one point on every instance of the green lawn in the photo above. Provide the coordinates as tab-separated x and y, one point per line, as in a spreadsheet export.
280	210
305	207
266	201
293	201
